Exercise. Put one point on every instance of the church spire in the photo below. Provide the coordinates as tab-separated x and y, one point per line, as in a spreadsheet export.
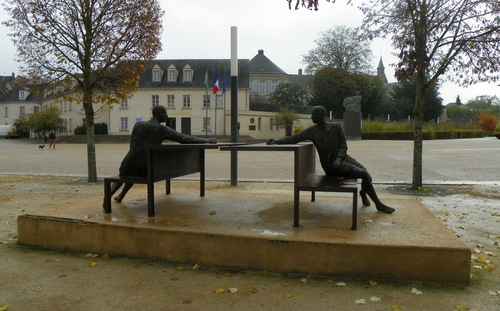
381	71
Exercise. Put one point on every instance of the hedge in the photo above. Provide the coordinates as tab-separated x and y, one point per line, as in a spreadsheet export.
427	135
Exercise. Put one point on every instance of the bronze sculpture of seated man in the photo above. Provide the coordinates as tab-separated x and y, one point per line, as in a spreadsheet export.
329	140
146	133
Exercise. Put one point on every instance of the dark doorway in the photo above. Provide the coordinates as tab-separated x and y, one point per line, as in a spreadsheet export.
171	123
186	126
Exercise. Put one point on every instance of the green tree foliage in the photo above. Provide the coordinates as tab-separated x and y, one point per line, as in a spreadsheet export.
485	103
459	114
41	122
289	95
285	118
403	102
340	47
330	86
457	40
86	51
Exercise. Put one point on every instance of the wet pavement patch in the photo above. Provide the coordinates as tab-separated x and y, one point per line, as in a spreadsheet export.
426	190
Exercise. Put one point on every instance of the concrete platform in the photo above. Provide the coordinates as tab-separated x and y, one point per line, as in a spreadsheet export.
250	227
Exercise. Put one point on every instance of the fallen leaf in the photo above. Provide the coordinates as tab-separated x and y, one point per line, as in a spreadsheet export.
303	280
233	290
212	213
62	276
360	301
219	290
58	260
88	255
264	272
252	290
492	293
416	291
105	256
373	283
396	308
489	267
4	308
341	284
480	259
288	295
180	268
196	266
461	308
175	278
37	289
375	299
92	264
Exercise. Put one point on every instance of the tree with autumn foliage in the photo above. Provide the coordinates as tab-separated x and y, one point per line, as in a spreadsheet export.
487	121
87	51
454	40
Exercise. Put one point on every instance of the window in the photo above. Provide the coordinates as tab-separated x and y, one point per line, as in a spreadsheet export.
219	102
186	101
271	124
6	112
262	87
36	109
22	95
124	104
172	75
188	74
170	101
22	111
157	73
206	124
70	106
124	124
155	100
65	106
259	123
206	101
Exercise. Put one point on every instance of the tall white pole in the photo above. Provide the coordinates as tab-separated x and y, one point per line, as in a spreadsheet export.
234	103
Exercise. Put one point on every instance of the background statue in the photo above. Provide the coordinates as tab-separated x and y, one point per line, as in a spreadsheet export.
352	103
146	133
329	140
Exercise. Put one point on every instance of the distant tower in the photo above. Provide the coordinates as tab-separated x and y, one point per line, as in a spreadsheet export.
381	71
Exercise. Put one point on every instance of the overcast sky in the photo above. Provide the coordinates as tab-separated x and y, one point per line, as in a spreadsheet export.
200	29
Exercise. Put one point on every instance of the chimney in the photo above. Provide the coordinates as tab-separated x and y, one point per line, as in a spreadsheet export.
261	52
300	72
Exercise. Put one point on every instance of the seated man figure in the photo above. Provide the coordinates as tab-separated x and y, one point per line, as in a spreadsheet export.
329	140
146	133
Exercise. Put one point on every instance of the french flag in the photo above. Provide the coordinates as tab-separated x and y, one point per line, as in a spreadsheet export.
216	83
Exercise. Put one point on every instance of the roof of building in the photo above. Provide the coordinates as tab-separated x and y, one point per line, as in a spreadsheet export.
199	68
260	64
301	79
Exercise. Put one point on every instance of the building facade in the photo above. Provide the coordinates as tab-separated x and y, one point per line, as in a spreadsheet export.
186	88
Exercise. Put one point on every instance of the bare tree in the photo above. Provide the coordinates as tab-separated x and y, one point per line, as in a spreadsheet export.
89	51
340	47
454	40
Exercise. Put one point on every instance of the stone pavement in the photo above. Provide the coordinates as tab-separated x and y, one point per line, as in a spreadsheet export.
34	279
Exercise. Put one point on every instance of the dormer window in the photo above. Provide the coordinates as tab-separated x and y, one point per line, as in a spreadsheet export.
188	74
22	95
172	74
157	73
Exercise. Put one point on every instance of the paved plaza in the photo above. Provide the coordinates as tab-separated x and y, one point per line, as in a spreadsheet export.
32	179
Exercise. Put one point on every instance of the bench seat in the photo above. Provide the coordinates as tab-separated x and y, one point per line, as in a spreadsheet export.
321	182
